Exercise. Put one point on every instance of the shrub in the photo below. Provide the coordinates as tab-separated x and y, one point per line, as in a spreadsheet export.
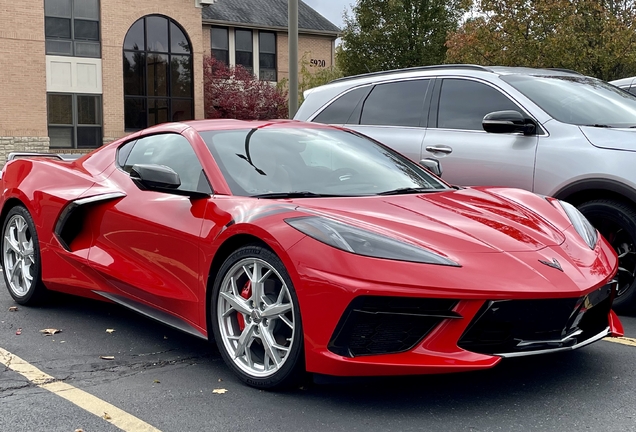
234	92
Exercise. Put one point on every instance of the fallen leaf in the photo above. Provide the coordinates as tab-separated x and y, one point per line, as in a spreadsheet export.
13	309
157	381
62	341
110	330
165	337
79	430
107	357
220	380
106	416
50	331
219	391
18	331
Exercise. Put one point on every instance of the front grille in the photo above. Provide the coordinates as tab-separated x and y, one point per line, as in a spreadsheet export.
511	326
382	325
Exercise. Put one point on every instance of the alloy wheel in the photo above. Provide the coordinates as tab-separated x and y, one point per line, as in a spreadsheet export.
18	256
255	313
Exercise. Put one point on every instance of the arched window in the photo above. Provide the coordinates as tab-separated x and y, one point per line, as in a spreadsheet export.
157	73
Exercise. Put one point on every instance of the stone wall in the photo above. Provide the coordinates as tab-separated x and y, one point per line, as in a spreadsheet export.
22	144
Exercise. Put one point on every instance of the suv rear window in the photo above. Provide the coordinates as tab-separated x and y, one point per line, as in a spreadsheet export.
346	109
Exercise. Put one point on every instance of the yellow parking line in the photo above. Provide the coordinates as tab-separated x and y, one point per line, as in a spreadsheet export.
110	413
622	340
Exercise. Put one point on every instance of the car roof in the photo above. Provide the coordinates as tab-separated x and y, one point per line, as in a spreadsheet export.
622	82
457	68
227	124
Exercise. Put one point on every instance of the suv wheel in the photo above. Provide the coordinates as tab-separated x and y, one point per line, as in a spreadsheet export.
616	221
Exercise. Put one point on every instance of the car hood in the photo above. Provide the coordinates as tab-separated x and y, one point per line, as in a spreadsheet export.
610	138
467	220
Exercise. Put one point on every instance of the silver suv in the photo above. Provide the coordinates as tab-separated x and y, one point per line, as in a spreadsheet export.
554	132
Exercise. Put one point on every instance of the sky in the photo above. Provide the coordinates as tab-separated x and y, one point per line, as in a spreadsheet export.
331	9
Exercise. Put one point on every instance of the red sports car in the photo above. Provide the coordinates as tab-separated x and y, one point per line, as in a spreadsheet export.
307	248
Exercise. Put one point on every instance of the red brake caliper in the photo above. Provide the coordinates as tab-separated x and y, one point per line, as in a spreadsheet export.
246	293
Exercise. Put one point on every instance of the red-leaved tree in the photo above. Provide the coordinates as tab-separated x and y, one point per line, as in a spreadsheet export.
233	92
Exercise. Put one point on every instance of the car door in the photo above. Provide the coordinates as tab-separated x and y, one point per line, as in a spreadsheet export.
470	155
147	246
391	112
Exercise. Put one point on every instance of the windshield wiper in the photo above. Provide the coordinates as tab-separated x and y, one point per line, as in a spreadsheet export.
408	190
599	125
294	194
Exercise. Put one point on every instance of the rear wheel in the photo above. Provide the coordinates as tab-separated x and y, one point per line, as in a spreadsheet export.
256	319
616	221
21	257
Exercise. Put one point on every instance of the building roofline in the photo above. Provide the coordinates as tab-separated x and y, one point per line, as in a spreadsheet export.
335	35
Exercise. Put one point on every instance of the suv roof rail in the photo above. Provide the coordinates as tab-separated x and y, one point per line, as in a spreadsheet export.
565	70
415	69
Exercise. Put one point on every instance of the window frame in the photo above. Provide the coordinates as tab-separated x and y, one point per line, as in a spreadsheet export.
72	39
75	119
237	50
146	99
275	54
227	51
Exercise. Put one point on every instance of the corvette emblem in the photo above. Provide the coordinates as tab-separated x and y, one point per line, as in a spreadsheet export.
554	264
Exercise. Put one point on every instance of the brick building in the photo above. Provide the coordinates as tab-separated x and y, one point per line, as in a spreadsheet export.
78	73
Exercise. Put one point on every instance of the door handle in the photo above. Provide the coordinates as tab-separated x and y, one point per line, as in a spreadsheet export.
436	149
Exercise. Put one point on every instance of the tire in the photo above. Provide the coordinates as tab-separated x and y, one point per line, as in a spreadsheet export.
21	262
261	341
616	221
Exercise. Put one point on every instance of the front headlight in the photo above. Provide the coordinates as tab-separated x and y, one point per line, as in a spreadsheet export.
581	224
362	242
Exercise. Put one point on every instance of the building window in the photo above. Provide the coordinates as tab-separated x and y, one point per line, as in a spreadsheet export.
220	44
71	27
75	120
267	56
157	73
244	50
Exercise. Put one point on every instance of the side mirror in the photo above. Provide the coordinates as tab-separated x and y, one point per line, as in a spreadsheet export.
160	178
433	165
154	177
507	122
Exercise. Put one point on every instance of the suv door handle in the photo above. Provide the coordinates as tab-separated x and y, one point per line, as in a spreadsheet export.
445	150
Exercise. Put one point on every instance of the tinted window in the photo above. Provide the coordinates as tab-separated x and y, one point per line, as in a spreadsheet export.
464	103
346	109
173	151
578	99
395	104
322	160
632	90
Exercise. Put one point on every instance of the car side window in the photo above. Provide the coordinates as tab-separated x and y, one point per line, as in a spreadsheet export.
464	103
174	151
346	109
396	104
632	90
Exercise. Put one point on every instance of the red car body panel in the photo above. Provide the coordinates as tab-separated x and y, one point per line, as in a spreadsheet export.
158	249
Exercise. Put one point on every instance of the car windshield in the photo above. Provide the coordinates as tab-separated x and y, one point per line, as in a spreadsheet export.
578	100
278	161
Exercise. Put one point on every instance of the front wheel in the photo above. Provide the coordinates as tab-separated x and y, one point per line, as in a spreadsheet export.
256	319
616	222
21	257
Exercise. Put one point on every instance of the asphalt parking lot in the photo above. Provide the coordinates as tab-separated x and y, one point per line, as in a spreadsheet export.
164	380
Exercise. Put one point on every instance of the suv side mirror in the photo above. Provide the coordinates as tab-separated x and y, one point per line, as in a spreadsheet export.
433	165
507	122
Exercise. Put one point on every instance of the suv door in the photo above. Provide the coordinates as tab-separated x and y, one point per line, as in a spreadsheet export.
470	155
392	113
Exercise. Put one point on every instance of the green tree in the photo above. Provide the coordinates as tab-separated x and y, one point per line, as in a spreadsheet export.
392	34
594	37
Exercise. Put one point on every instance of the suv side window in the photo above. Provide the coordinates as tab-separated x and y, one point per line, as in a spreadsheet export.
174	151
346	109
464	103
396	104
